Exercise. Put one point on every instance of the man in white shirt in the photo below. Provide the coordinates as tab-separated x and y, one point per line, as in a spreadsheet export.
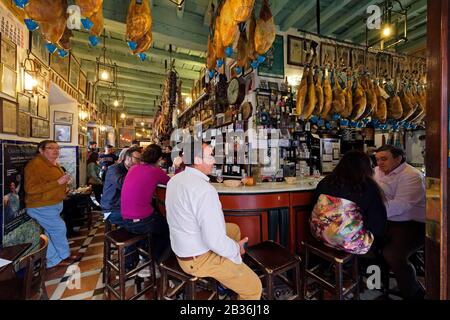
404	187
205	245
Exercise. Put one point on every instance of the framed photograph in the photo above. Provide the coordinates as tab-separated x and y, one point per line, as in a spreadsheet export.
371	63
74	74
273	86
273	66
357	58
63	133
38	49
263	101
8	116
63	117
82	82
33	106
43	106
8	81
45	128
263	84
23	101
129	122
295	51
23	126
60	65
384	65
8	53
40	128
327	54
343	56
284	87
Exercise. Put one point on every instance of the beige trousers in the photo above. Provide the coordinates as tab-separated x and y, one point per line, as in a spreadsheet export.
237	277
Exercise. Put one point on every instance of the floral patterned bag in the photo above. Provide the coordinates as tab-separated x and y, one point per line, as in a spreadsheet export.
338	223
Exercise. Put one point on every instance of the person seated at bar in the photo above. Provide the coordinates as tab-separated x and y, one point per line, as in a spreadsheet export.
139	216
204	244
93	176
45	190
178	163
112	187
404	187
349	212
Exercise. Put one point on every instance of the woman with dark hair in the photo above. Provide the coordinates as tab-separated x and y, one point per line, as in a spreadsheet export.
93	176
349	213
138	189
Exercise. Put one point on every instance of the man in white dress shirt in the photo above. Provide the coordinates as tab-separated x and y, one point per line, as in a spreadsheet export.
404	187
205	245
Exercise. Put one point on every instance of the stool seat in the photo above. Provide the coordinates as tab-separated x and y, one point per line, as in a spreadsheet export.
273	260
170	269
326	252
122	237
271	256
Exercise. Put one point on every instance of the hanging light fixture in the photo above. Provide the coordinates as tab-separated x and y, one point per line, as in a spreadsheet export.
115	98
33	76
393	21
105	69
178	3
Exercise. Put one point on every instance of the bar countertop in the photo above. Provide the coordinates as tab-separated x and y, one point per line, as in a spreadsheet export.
306	184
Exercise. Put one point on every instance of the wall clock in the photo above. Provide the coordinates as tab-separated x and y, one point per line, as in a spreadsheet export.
235	91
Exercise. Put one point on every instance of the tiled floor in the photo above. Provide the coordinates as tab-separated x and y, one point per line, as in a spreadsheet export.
83	280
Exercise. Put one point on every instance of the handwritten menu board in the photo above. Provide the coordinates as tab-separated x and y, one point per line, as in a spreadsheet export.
11	27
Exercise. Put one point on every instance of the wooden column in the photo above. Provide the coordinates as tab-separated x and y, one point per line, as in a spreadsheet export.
437	147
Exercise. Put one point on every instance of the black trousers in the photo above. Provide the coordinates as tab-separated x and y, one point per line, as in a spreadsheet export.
402	240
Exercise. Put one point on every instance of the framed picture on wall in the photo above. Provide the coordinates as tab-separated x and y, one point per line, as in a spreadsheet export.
23	127
38	49
43	106
327	54
82	82
294	51
60	65
8	53
23	101
63	117
273	66
33	105
45	128
63	133
343	56
8	84
74	73
8	114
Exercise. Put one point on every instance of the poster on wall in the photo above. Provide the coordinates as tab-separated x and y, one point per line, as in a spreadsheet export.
273	66
15	157
68	160
11	27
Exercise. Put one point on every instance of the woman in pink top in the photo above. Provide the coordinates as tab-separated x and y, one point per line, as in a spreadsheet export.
139	215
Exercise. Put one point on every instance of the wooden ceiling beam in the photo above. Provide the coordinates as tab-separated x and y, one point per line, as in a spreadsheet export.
297	14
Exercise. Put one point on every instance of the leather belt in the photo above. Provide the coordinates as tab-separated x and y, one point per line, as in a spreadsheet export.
190	258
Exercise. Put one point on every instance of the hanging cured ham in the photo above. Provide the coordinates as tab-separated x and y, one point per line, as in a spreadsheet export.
265	31
311	99
98	20
242	50
339	96
252	54
359	102
228	26
327	96
319	95
302	92
51	16
380	112
64	42
242	9
139	20
89	7
144	43
219	49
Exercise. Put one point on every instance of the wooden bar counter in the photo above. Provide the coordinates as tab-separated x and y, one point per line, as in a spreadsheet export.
269	211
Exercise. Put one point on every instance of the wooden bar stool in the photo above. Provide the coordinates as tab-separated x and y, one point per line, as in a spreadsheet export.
121	239
337	259
274	260
170	269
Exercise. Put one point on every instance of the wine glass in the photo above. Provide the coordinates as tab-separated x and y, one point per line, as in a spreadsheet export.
219	177
244	178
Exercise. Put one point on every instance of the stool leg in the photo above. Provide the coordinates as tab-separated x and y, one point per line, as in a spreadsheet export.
191	290
298	282
122	281
164	283
339	281
106	268
303	272
356	277
269	283
106	252
150	253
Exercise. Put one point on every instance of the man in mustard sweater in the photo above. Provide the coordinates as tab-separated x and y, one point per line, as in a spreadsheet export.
45	190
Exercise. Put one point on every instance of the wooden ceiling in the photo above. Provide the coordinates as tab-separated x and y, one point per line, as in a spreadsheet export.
186	30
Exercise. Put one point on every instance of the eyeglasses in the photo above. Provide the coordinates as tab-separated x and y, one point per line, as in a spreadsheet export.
52	148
